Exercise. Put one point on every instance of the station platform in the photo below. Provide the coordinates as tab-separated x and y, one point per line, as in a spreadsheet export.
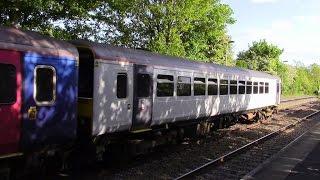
299	160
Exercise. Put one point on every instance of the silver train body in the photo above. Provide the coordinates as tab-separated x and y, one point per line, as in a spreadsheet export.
123	89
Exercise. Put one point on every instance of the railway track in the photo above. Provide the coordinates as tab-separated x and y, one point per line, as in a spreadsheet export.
297	99
216	168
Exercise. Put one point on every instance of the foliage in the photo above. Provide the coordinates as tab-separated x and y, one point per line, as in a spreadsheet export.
63	19
261	56
195	29
296	80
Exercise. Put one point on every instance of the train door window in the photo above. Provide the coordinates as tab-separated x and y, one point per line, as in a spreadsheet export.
8	85
144	85
266	88
122	85
86	73
261	87
249	87
223	87
199	85
255	88
212	86
45	85
165	85
242	87
278	88
233	87
184	86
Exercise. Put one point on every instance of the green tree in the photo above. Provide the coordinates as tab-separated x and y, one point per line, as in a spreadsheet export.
62	19
315	72
261	56
195	29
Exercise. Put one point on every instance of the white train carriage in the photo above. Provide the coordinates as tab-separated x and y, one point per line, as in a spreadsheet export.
123	89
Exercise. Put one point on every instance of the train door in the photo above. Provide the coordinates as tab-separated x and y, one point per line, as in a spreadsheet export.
50	97
113	94
142	97
10	101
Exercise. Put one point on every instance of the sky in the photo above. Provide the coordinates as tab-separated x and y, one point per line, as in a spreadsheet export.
293	25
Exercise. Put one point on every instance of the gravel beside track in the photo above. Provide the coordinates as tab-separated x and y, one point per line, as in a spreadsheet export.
174	160
243	163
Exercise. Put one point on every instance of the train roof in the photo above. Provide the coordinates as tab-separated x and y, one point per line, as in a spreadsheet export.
114	53
28	41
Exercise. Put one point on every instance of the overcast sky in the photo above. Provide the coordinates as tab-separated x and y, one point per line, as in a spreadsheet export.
293	25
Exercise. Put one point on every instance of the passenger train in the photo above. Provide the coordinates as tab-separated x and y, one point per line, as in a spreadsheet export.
52	90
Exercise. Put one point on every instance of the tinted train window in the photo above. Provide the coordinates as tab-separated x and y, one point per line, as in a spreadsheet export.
242	87
8	84
45	85
266	88
184	86
122	85
223	87
212	86
86	68
261	87
199	85
233	87
144	85
249	87
278	88
165	85
255	88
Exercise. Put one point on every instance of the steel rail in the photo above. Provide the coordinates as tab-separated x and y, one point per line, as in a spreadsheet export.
228	156
296	99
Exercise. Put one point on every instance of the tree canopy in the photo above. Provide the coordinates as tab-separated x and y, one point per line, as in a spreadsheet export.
194	29
261	56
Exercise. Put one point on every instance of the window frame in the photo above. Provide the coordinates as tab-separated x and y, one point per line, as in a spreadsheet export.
266	87
249	85
149	94
242	84
16	87
171	82
54	88
261	87
212	83
190	84
224	84
127	85
255	84
233	83
203	83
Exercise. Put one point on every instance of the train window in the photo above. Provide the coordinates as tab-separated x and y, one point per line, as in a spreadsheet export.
249	87
8	84
86	73
144	85
242	87
255	88
261	87
278	88
122	85
212	86
165	85
184	86
45	85
223	87
266	88
199	85
233	87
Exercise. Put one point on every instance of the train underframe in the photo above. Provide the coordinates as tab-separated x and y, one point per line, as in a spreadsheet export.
88	150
